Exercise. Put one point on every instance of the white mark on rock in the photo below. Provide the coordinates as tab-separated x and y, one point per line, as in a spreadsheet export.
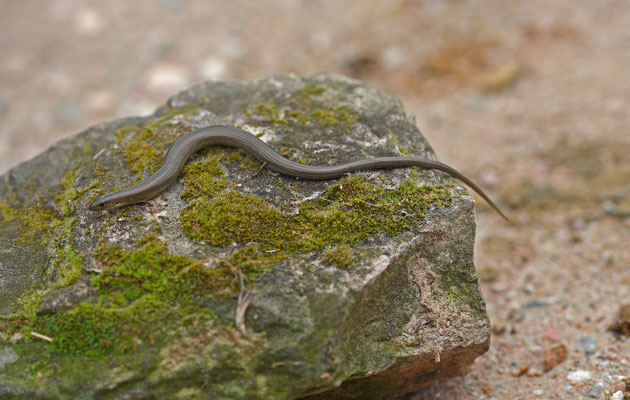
378	266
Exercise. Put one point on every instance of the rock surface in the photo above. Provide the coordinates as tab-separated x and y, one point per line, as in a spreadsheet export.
238	282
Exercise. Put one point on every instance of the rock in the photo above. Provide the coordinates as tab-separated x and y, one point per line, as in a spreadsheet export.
555	356
588	343
579	375
238	282
621	325
595	391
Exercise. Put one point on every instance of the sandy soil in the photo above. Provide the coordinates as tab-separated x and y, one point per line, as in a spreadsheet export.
531	99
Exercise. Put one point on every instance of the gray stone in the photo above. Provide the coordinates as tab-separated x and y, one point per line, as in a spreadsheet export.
588	343
238	282
595	391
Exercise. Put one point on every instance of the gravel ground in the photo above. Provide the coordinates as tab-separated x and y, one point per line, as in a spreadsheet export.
531	99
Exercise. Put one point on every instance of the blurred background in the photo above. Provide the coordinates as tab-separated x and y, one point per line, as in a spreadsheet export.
531	99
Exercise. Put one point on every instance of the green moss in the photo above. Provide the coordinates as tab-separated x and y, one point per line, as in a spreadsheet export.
204	178
147	270
142	296
68	194
94	331
307	109
32	222
340	256
142	147
69	268
347	213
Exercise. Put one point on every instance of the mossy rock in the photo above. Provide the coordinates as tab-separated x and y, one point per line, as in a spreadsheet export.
238	282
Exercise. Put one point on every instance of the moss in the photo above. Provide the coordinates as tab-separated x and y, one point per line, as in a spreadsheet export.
142	147
204	178
69	268
147	270
308	108
32	222
345	214
142	294
340	256
94	331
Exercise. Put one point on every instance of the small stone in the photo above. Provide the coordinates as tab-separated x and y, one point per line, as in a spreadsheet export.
213	68
498	327
555	356
537	392
621	326
579	376
595	391
501	77
552	334
167	77
7	356
393	57
603	364
489	274
521	371
88	22
533	304
500	287
100	101
618	395
588	344
609	207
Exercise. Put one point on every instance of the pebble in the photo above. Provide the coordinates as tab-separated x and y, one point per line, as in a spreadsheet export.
393	57
7	356
88	22
533	304
167	77
537	392
552	334
555	356
502	76
588	344
213	68
579	376
99	101
603	364
609	207
595	391
618	395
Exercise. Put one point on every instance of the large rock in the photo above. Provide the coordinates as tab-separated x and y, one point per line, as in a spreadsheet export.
238	282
